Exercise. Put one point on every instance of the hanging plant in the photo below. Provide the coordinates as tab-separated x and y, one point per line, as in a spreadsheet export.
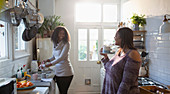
49	24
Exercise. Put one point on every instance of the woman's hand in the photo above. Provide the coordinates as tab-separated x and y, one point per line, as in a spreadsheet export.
45	61
105	55
42	66
48	65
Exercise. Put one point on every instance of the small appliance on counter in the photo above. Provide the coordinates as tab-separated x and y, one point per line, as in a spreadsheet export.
143	71
34	66
8	86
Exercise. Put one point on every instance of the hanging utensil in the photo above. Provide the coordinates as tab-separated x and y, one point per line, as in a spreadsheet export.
11	16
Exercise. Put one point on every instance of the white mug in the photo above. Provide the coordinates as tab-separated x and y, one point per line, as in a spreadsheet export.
106	49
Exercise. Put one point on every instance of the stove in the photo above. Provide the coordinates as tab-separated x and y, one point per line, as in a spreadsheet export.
145	81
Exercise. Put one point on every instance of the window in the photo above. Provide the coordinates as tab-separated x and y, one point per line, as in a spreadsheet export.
19	43
93	13
109	13
3	41
93	47
83	47
88	12
82	44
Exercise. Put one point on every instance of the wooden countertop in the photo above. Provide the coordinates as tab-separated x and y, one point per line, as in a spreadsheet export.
168	86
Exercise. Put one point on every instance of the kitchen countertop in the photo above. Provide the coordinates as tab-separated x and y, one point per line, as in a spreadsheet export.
47	82
40	83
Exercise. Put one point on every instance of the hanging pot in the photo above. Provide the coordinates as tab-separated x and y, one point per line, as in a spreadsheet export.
29	33
25	36
33	31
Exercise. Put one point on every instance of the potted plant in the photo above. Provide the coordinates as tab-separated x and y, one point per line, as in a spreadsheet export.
138	21
48	26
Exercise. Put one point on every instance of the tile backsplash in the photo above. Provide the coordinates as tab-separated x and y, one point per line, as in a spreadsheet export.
158	46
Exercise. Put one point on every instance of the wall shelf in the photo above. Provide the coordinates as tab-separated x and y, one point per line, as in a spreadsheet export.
139	39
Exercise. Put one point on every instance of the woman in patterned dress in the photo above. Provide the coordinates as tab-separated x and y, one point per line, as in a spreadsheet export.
121	71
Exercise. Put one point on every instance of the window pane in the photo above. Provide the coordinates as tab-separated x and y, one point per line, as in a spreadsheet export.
109	13
109	35
82	44
88	13
93	53
3	41
19	43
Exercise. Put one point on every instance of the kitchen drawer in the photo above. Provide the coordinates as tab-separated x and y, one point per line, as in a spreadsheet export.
153	90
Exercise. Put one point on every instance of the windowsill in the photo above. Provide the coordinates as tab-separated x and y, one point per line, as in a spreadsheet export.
21	56
4	60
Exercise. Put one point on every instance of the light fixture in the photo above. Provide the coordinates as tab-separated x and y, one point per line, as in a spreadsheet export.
7	4
165	27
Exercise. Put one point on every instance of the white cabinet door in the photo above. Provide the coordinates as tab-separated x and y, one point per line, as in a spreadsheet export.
45	47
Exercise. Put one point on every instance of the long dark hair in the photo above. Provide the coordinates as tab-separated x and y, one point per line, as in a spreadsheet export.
55	38
126	35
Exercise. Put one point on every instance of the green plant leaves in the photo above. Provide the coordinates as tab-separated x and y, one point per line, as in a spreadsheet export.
140	20
49	24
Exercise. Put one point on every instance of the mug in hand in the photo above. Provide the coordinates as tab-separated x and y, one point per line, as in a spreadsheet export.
106	49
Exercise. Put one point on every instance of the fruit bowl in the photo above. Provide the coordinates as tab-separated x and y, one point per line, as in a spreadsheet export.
25	86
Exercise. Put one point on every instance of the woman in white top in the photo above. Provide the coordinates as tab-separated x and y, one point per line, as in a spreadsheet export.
63	68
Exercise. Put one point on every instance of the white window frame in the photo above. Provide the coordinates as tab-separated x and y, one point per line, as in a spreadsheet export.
20	53
6	43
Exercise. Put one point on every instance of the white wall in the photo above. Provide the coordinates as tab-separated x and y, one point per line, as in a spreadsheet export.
47	7
157	45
